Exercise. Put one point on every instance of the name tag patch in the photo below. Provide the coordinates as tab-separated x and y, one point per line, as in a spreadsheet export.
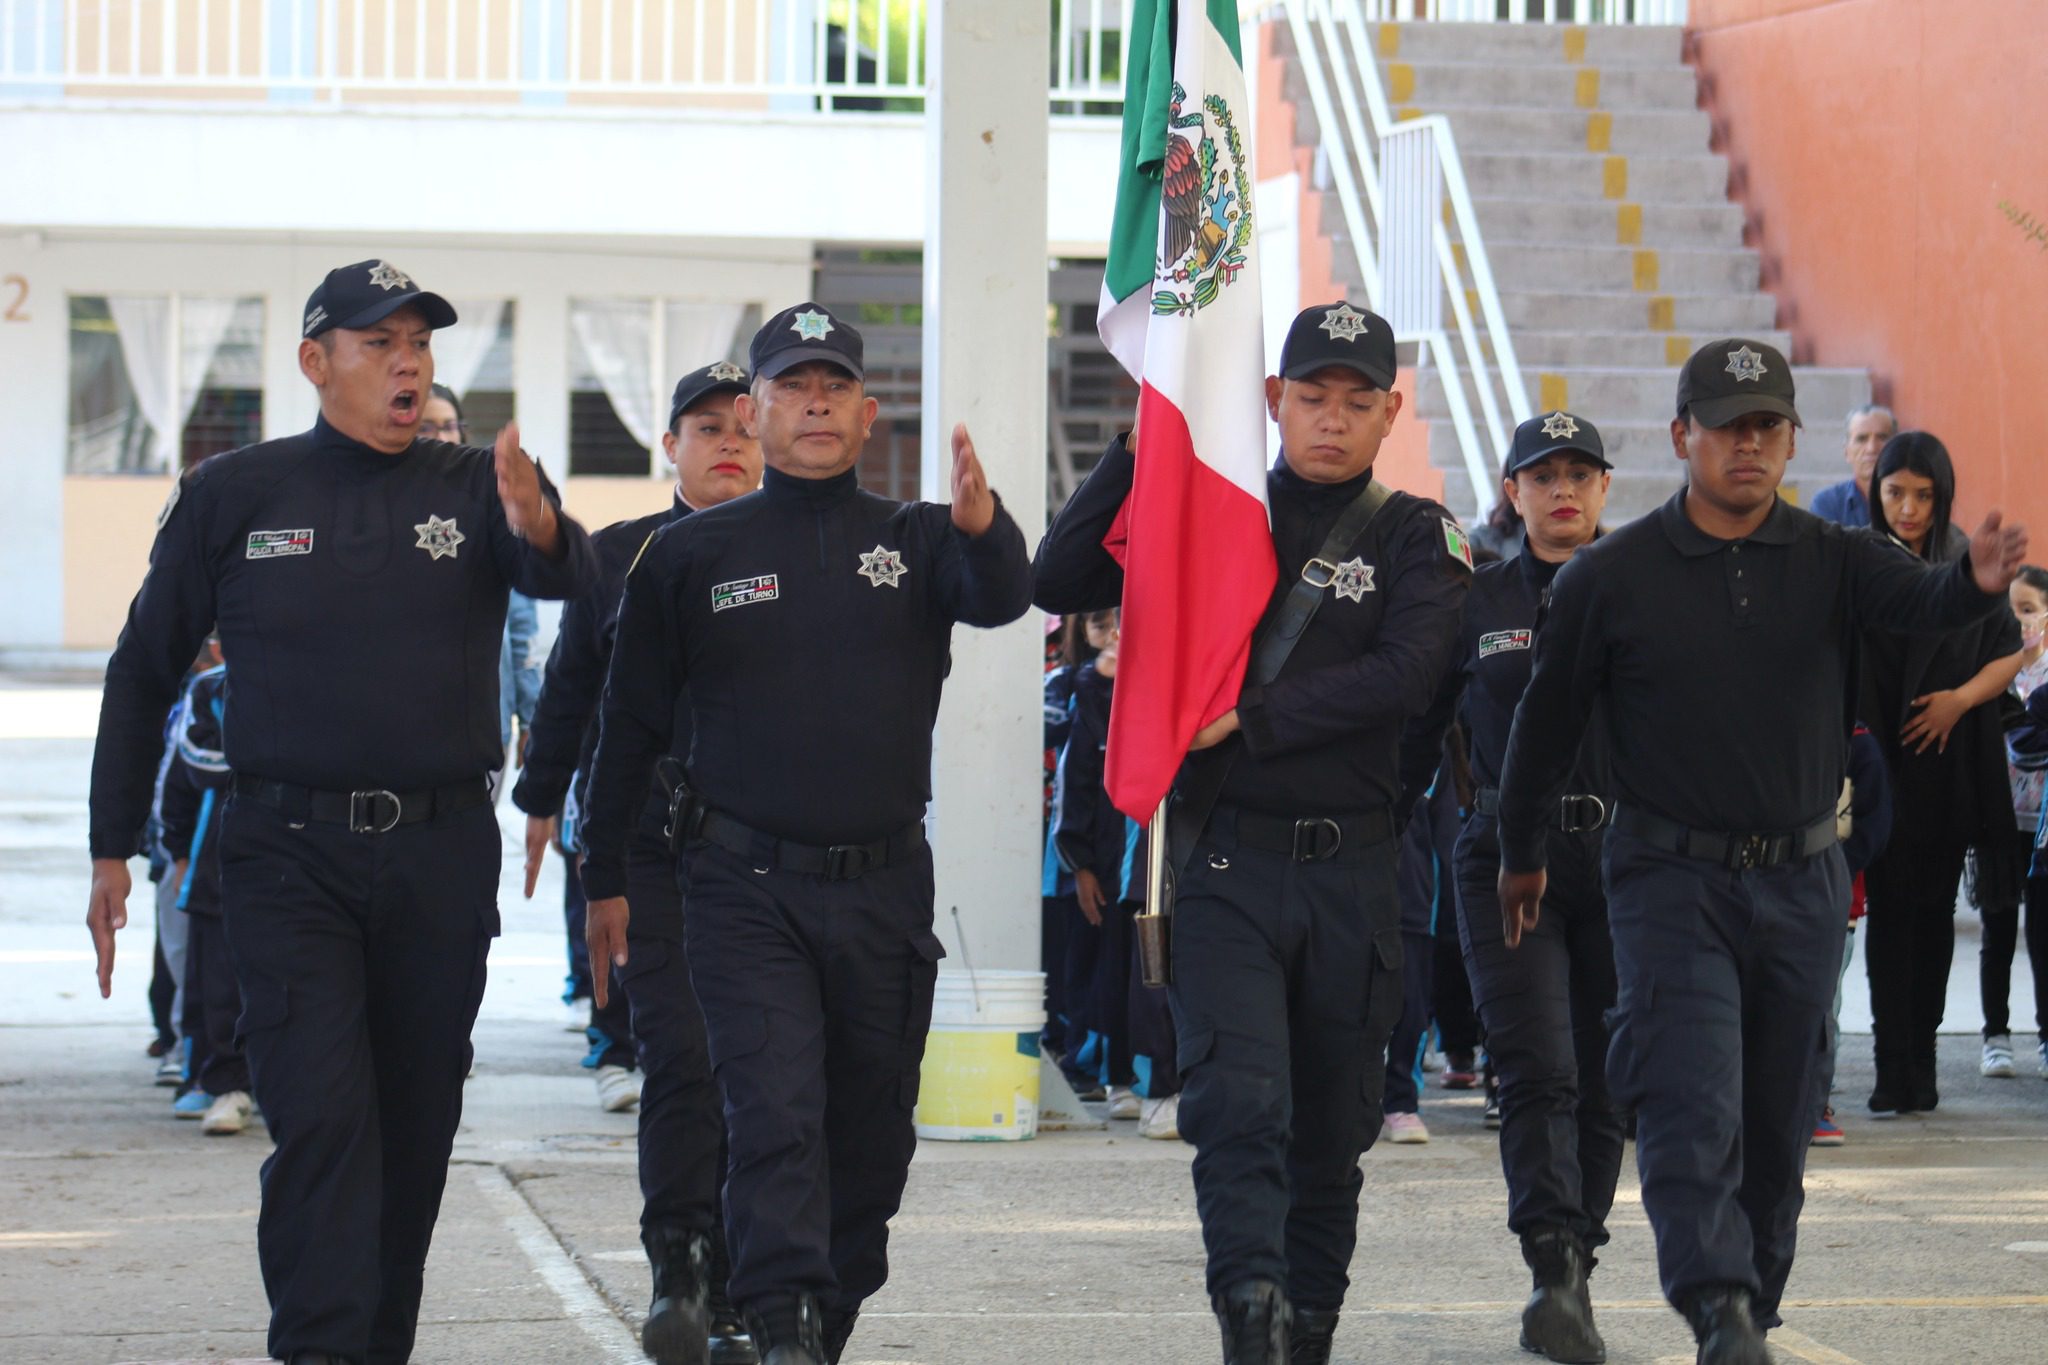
744	592
277	544
1499	640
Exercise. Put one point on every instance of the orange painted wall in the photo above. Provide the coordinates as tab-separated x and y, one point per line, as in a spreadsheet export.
1872	143
1403	461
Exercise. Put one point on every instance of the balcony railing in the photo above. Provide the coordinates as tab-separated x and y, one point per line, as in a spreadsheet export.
790	55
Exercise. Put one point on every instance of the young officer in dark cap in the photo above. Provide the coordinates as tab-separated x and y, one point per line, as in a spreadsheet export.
682	1131
1542	1003
359	576
1716	635
806	629
1287	928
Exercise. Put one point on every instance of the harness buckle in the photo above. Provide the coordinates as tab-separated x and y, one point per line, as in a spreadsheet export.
1317	839
1582	814
366	811
843	862
1328	570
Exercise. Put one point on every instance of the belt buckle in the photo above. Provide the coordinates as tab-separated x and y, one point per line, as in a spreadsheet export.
843	862
1317	839
1747	852
1328	570
1569	814
362	811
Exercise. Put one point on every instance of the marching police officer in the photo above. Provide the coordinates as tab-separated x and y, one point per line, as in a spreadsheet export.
809	624
359	577
1717	634
1287	932
1543	1003
682	1132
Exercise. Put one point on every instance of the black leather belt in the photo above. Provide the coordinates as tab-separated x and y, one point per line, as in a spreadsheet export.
1582	813
833	862
1313	838
375	811
1737	852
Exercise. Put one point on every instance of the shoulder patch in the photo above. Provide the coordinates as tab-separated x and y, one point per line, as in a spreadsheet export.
1494	642
171	502
1456	543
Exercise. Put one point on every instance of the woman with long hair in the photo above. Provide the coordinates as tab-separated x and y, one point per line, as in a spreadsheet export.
1932	702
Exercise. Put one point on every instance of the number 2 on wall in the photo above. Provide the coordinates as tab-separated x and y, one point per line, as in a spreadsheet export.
17	288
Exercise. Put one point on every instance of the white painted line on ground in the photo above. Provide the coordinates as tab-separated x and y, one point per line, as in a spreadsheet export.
580	1302
2035	1247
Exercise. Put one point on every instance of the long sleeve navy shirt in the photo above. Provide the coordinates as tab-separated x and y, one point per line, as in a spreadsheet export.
1325	737
362	597
811	624
1724	666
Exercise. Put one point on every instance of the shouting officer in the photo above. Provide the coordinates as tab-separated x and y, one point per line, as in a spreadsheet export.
359	575
1543	1003
809	625
1287	930
1718	634
681	1129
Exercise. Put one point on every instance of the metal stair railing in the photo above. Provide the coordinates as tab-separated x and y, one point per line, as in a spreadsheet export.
1406	178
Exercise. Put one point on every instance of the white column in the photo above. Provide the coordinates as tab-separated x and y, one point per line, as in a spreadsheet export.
985	268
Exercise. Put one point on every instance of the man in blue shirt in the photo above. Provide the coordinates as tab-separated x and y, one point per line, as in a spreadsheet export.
1848	502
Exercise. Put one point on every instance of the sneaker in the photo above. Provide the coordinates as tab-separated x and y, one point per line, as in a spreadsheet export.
1404	1128
193	1104
576	1014
617	1089
170	1070
1123	1102
1432	1060
228	1114
1828	1133
1998	1057
1160	1119
1459	1071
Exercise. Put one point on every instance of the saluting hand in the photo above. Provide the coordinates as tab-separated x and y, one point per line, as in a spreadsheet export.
1521	901
1996	553
604	931
106	910
527	510
974	506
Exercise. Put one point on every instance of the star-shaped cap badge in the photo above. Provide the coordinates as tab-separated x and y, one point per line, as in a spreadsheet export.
438	537
812	325
1560	426
1353	579
1746	364
883	568
1343	323
725	372
388	276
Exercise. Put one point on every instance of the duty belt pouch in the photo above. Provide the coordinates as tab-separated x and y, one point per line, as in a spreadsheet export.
1193	800
685	811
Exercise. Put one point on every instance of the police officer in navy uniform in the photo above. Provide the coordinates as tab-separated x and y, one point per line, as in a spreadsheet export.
1544	1002
809	624
359	577
681	1132
1287	934
1717	634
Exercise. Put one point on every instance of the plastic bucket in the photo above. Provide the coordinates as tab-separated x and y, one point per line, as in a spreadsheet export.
980	1077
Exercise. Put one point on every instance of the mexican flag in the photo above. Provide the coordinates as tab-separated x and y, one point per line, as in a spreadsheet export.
1180	310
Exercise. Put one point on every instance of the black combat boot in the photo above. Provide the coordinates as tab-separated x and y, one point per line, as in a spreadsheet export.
1558	1320
838	1331
679	1319
788	1331
1726	1332
1313	1333
729	1342
1255	1317
1920	1079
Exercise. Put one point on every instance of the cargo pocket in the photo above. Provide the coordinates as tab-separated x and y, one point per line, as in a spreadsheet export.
925	954
1383	1002
1625	1025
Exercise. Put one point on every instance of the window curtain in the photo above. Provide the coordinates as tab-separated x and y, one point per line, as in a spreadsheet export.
166	391
614	342
699	334
459	351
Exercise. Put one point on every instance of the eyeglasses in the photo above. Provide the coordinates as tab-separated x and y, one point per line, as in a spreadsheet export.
446	431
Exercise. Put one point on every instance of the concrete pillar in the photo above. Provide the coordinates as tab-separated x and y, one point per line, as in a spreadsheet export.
985	268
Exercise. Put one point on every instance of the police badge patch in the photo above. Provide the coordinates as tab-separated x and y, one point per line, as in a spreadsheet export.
278	544
1497	641
743	592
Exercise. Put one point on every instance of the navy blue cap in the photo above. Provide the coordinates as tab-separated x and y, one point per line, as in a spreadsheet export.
1338	334
808	331
367	292
1554	433
1731	378
724	377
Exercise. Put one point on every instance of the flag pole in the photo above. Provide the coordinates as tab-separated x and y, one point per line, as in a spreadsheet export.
1155	951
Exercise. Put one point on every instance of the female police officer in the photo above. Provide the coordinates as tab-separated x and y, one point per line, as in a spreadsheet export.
1561	1136
359	575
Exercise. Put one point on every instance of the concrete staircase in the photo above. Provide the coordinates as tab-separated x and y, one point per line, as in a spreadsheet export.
1607	221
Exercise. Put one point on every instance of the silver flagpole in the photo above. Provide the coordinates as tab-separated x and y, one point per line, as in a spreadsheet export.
1154	940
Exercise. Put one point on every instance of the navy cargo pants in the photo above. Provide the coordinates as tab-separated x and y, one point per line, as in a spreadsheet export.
1544	1005
817	995
1286	985
1726	981
361	958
